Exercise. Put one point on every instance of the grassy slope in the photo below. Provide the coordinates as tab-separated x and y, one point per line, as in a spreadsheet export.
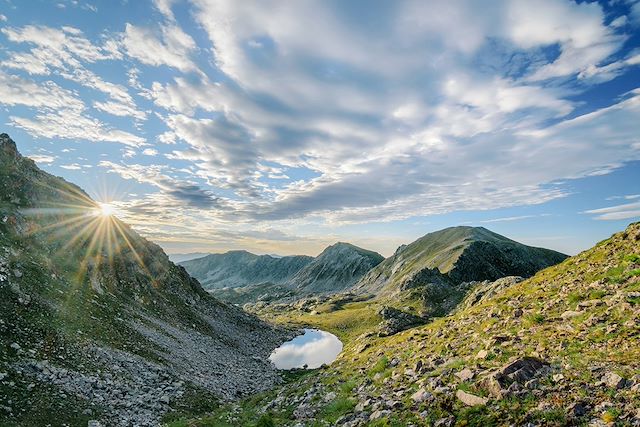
601	284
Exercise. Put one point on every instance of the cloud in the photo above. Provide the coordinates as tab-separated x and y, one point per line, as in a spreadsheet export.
61	112
172	47
612	213
118	109
309	114
321	348
186	192
65	52
71	124
512	218
42	158
15	90
73	167
53	49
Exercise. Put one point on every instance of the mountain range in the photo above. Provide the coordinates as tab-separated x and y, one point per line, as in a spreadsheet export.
240	276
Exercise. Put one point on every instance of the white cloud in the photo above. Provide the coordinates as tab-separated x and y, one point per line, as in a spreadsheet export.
71	124
3	18
172	47
317	115
119	109
42	158
73	167
322	348
611	213
54	49
15	90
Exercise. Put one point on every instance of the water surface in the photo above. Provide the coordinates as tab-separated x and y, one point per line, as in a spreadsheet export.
313	348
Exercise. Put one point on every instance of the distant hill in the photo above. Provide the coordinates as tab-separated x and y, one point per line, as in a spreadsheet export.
178	258
337	268
241	268
432	268
97	323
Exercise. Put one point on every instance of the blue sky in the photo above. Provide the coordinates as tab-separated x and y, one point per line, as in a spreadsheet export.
282	127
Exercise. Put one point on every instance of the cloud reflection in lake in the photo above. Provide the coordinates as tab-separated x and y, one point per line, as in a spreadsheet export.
313	349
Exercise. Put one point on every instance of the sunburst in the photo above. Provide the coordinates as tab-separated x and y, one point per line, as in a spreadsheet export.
85	227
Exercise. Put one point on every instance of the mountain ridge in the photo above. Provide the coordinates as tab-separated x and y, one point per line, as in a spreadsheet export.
459	254
90	308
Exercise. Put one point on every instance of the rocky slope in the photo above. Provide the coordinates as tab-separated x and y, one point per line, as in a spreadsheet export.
97	324
438	269
241	268
337	268
560	348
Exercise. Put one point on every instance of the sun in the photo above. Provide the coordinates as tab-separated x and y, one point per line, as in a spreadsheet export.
105	210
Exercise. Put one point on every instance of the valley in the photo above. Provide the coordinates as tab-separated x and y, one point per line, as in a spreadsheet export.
461	327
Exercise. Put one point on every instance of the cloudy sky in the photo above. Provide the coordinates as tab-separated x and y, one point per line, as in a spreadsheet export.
284	126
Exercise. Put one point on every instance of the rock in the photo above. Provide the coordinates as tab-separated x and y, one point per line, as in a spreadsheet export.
421	395
330	396
380	413
465	375
471	399
570	314
395	321
577	409
445	422
482	354
613	380
94	423
520	371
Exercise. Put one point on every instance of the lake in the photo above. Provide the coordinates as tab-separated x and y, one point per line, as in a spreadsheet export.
313	348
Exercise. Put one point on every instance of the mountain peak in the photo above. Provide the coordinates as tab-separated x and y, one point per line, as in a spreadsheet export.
458	254
8	146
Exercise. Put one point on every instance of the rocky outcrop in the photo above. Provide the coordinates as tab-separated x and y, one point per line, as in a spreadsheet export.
395	321
515	375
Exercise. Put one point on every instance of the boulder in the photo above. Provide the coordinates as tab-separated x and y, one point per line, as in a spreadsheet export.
471	399
465	375
613	380
421	395
519	371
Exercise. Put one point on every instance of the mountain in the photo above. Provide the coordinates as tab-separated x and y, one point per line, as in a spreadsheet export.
240	277
560	348
452	256
97	324
337	268
178	258
241	268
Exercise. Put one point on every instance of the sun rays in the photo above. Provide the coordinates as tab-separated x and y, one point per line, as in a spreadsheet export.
86	234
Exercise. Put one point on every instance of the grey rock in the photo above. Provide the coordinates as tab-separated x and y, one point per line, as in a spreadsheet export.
471	399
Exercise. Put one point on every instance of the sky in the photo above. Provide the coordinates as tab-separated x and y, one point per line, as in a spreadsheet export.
285	126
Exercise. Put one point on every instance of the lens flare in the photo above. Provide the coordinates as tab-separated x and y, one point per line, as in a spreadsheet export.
105	209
